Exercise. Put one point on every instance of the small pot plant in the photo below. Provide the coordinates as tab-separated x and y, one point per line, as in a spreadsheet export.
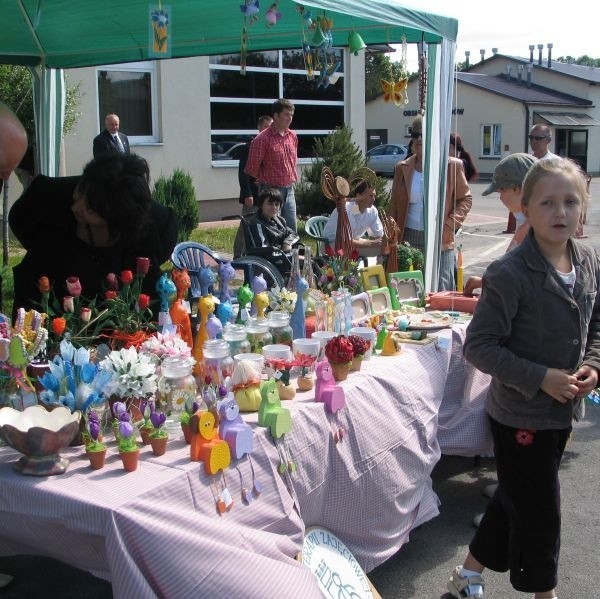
360	347
159	435
339	352
306	380
146	408
128	447
94	449
189	410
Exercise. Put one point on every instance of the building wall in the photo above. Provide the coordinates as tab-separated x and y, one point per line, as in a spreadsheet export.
183	105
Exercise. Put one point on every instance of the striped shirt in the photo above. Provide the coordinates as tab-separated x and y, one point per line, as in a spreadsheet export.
272	157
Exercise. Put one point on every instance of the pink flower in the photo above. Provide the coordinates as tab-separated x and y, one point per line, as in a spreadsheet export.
525	436
112	281
85	314
68	303
142	265
74	286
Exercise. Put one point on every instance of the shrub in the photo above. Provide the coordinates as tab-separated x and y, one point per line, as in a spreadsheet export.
177	192
343	157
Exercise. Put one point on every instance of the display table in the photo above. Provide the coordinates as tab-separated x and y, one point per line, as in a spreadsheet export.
157	532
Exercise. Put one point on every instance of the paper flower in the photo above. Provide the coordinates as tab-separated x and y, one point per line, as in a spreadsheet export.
360	346
133	374
340	271
339	350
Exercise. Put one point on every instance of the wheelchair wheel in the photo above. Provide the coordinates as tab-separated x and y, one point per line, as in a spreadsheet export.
255	265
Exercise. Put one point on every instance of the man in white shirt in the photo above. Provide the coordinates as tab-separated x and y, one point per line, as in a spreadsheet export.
111	140
540	137
363	218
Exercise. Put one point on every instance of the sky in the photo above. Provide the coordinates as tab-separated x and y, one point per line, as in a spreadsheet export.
512	25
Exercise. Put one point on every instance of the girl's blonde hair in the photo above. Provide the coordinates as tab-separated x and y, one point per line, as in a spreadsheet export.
555	166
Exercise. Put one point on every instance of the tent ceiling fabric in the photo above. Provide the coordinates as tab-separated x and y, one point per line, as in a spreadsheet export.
76	33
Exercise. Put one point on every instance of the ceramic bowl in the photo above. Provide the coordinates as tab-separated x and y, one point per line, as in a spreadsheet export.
277	351
39	435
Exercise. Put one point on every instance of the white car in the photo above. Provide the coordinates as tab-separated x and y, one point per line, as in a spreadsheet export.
382	159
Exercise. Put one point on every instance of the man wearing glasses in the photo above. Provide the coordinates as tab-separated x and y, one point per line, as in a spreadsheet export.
540	137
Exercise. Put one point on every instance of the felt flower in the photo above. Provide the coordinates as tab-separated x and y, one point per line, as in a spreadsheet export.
525	437
74	286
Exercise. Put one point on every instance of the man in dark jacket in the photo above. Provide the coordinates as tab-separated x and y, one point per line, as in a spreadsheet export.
111	140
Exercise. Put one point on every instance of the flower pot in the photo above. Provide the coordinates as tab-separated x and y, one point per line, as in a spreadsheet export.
286	391
187	432
305	382
340	371
159	445
356	363
96	458
145	434
130	459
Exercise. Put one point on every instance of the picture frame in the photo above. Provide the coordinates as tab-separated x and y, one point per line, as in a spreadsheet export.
373	277
361	307
381	301
407	287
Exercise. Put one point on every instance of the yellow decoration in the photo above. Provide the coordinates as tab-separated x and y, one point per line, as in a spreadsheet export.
391	345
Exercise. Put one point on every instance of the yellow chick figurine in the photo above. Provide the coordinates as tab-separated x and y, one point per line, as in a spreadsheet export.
391	345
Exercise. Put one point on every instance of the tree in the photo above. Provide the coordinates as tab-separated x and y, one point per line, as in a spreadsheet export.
585	60
343	157
377	67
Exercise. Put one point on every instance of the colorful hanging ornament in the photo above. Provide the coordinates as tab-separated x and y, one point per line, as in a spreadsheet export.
273	15
158	42
422	47
250	10
396	91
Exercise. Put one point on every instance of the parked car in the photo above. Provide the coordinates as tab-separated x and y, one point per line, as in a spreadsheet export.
233	153
382	159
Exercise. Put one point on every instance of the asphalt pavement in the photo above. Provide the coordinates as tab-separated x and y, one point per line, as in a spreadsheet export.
422	566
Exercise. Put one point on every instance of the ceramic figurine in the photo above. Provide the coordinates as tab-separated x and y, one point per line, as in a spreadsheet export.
207	279
391	344
206	445
232	428
298	317
259	285
206	306
261	302
244	296
165	289
327	390
270	412
224	309
245	382
179	310
214	327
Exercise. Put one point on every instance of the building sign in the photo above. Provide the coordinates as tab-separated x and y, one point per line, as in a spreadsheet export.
336	569
458	111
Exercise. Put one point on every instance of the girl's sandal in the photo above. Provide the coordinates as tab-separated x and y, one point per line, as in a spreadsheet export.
458	585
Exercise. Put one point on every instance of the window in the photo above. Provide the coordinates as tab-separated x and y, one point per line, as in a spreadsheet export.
237	101
491	136
129	90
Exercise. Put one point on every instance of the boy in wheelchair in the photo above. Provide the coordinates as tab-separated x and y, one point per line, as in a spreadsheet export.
267	234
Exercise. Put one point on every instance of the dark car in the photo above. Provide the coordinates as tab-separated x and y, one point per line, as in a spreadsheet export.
383	159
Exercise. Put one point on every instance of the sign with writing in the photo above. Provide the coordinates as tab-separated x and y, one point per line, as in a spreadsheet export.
336	569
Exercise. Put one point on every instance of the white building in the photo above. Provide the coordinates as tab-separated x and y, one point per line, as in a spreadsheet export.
498	100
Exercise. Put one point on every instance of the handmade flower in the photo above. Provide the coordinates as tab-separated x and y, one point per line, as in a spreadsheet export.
110	294
112	281
127	440
68	303
44	285
360	346
339	350
94	428
133	374
158	420
74	286
85	314
59	325
142	266
525	437
126	277
339	271
162	345
143	301
282	300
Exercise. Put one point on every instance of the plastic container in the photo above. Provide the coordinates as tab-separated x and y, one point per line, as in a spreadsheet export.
279	325
217	362
258	333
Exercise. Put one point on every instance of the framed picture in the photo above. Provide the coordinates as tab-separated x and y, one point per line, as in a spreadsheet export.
406	288
373	277
361	307
380	300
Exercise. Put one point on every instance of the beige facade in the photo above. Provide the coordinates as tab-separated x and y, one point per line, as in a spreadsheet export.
485	96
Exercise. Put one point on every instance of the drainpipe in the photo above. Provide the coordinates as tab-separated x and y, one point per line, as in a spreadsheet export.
550	46
540	48
527	127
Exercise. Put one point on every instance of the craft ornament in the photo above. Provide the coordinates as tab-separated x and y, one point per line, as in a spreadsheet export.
273	15
270	413
232	428
206	445
158	32
245	296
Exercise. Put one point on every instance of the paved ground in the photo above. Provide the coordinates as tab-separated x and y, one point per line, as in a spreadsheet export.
420	569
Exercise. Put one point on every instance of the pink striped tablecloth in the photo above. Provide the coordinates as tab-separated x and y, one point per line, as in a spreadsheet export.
156	532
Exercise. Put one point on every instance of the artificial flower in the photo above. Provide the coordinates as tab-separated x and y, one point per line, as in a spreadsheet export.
133	374
126	277
74	286
158	420
339	350
112	281
59	325
339	270
85	314
162	345
359	345
44	285
143	301
127	440
282	300
110	294
68	303
142	265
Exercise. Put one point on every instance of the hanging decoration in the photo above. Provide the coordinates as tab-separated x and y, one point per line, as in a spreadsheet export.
391	236
397	91
250	10
159	45
337	190
273	15
422	48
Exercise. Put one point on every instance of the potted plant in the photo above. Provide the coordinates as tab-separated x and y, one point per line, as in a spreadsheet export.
146	408
360	347
184	420
128	447
95	449
281	374
339	353
159	435
306	380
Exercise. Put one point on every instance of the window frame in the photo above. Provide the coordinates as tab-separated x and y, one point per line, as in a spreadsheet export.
495	137
135	67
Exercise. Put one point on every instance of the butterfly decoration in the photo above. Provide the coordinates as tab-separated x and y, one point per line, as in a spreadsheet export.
395	91
250	10
273	15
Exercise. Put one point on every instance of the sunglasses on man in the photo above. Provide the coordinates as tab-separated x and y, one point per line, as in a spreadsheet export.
538	137
416	135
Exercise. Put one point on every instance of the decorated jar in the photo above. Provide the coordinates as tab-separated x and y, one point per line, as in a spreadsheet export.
259	334
236	337
176	384
217	362
279	325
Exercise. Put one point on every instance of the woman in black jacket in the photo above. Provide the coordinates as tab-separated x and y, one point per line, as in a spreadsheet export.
88	227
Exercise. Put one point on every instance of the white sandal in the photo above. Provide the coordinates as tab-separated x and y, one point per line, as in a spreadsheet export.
458	585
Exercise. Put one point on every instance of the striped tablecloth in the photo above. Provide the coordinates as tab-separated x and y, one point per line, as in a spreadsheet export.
156	532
